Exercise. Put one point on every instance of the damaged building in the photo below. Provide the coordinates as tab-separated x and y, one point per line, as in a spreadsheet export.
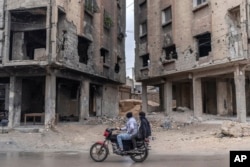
61	60
197	53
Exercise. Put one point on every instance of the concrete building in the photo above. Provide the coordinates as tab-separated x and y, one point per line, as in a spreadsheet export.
61	60
196	52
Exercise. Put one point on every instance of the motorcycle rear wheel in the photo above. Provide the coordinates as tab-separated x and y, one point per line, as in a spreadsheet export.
139	157
98	152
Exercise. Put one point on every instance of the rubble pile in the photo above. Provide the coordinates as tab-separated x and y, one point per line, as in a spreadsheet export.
235	129
174	120
159	121
135	106
131	105
180	118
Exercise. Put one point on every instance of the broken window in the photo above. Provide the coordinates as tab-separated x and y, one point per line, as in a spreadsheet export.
91	6
117	66
2	97
62	32
143	28
107	20
204	44
199	2
105	55
35	40
118	4
121	33
143	7
88	23
167	15
235	35
28	34
234	15
83	47
143	32
170	52
145	60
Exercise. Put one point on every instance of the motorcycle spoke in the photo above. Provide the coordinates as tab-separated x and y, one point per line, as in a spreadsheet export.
99	152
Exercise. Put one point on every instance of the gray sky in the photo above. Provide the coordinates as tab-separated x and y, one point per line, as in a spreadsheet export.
130	44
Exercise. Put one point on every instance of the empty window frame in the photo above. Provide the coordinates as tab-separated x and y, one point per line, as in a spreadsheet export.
199	2
34	40
28	42
167	16
91	6
143	28
118	4
170	52
83	47
107	20
234	15
104	55
204	44
142	2
143	7
117	65
145	60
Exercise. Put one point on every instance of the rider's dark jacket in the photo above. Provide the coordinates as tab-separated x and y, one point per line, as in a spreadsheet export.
144	129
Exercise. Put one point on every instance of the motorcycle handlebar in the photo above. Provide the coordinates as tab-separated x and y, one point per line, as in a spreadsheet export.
112	129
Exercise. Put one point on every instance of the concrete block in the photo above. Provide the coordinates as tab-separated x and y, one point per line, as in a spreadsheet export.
40	54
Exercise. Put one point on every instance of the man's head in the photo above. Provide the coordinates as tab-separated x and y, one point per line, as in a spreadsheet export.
129	115
142	114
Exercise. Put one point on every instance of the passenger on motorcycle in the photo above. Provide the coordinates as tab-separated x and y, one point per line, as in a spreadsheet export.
131	129
144	130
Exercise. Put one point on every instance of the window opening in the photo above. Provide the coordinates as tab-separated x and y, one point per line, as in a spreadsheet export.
143	28
145	60
204	44
117	66
167	15
83	47
104	54
34	40
199	2
170	52
91	6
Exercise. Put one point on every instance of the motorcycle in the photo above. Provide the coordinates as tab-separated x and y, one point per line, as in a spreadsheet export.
99	151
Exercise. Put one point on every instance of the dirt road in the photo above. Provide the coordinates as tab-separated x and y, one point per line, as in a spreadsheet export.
193	138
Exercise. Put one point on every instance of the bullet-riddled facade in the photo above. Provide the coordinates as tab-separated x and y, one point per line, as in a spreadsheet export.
196	52
62	60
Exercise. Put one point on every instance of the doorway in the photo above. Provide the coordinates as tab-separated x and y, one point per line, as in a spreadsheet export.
95	100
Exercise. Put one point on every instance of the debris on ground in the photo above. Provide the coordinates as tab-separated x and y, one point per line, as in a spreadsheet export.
235	129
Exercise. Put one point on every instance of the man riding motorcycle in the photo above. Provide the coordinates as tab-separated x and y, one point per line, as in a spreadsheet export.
131	129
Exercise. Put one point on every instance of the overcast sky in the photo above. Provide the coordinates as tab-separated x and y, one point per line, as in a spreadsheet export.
130	44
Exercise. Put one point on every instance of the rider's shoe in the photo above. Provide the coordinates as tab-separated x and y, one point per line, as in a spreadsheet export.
135	150
119	151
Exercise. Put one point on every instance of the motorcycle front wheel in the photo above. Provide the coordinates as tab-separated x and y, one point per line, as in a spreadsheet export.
98	152
139	157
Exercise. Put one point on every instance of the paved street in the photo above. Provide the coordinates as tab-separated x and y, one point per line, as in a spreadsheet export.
75	159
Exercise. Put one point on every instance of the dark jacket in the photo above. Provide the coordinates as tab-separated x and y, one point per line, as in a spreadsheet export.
144	129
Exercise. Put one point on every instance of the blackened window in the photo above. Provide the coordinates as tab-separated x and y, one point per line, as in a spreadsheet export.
204	44
83	47
170	52
145	60
104	54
